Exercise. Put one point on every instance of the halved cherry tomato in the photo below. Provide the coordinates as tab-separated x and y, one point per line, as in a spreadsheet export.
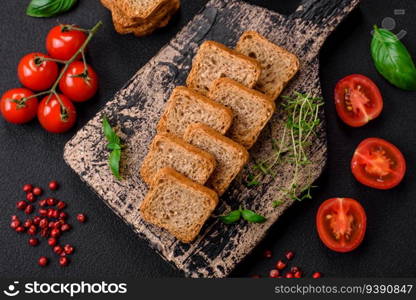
36	74
57	116
341	224
62	43
357	100
79	84
378	164
16	109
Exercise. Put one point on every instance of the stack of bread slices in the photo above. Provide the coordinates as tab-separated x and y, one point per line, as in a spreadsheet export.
207	127
141	17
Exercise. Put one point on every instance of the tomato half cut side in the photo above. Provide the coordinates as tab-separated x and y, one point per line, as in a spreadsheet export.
378	164
357	100
341	224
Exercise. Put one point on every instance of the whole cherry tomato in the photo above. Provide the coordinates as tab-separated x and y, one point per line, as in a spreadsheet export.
15	108
79	84
35	73
57	115
62	42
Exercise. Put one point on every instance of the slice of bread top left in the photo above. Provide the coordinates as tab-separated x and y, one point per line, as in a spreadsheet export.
167	150
185	106
178	204
214	60
230	156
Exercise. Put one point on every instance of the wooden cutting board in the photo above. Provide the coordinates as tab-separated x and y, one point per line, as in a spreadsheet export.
137	108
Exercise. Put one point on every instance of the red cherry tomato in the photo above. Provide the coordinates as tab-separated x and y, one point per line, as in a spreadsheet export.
341	224
55	117
378	164
78	85
18	111
36	74
357	100
62	43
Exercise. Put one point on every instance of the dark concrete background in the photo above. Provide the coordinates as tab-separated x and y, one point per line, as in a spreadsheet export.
106	247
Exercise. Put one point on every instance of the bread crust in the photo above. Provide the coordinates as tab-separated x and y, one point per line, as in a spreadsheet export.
196	63
134	13
240	150
227	114
266	101
147	171
186	183
292	57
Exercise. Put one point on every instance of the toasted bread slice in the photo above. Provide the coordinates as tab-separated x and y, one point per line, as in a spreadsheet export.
278	65
251	109
142	28
169	8
139	9
178	204
213	60
230	156
185	106
166	150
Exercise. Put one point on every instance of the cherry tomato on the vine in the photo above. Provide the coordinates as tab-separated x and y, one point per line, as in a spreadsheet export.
15	108
36	74
57	116
79	84
62	42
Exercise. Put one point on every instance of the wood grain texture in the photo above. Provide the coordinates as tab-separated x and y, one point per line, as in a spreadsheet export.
137	108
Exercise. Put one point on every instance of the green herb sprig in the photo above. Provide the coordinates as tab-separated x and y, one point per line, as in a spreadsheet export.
114	144
248	215
303	119
48	8
393	60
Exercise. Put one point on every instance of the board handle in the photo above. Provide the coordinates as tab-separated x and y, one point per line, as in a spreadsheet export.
318	18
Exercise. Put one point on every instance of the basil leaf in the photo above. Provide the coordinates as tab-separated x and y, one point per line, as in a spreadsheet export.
252	217
48	8
114	162
231	217
393	60
108	130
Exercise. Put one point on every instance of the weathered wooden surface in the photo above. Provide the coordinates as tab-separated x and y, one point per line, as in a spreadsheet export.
137	107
